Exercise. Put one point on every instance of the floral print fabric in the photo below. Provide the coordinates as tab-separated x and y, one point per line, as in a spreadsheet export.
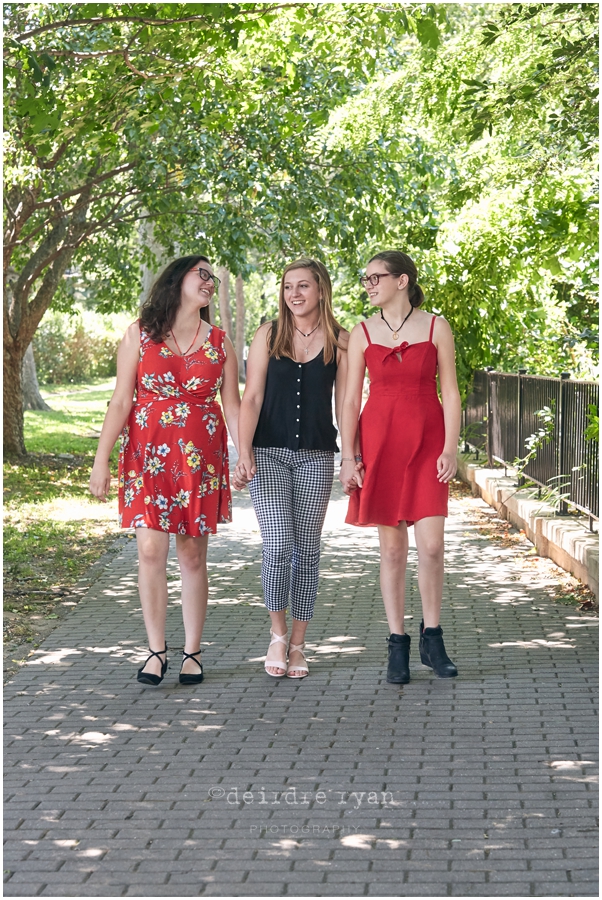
173	462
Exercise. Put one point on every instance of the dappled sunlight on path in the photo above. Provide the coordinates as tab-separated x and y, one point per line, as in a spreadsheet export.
318	786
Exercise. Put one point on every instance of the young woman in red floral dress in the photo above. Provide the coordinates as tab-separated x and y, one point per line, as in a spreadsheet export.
173	464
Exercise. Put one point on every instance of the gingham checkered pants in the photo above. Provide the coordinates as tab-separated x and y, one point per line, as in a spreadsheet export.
290	494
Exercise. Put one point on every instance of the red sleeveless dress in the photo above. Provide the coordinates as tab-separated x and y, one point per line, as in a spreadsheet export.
402	434
173	462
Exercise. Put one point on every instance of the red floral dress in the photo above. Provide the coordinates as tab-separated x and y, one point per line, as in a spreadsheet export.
173	462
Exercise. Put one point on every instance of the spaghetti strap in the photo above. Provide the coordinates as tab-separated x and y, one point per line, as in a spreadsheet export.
432	328
366	330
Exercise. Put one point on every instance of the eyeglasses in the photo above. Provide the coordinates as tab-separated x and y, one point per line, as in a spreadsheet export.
206	275
373	280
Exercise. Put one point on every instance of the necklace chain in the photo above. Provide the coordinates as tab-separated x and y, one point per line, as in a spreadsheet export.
309	333
396	330
193	340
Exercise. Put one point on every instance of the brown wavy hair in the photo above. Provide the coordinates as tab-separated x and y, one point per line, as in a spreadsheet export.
283	329
399	263
158	312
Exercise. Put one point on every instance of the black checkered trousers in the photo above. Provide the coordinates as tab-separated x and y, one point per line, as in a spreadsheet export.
290	494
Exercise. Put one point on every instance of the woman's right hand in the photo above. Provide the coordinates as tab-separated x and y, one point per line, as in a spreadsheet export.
100	481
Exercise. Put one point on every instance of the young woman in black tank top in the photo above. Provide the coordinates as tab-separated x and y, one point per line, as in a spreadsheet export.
287	446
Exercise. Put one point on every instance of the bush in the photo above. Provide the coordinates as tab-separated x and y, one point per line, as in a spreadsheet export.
75	349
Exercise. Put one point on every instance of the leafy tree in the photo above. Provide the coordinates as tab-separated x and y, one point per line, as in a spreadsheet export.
201	117
495	132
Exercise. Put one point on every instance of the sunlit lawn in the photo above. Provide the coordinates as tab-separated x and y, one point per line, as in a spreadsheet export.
53	528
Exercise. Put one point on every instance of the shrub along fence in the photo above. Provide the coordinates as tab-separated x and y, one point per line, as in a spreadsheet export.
538	424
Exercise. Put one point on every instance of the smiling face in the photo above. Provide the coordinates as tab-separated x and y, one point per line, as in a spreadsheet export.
301	292
388	287
194	288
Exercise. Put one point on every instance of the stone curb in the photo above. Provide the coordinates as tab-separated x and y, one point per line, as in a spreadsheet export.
565	540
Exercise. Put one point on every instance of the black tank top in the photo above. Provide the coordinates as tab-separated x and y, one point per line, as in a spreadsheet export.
297	405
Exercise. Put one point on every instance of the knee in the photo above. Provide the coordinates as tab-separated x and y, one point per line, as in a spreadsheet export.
193	556
431	550
151	552
393	554
277	552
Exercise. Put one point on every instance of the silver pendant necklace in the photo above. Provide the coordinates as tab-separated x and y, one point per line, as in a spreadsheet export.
309	333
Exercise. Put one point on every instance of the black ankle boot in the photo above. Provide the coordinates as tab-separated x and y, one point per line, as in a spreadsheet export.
398	670
432	652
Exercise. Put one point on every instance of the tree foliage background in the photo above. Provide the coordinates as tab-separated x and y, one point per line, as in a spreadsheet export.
465	134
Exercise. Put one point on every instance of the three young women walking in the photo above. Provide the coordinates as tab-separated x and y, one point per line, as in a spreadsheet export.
408	441
287	446
173	464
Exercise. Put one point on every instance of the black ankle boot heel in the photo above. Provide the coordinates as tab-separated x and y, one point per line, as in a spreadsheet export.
398	670
432	652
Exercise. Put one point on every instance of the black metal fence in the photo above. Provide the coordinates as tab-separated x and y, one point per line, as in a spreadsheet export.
501	418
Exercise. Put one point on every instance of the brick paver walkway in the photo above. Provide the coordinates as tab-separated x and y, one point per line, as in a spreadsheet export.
337	785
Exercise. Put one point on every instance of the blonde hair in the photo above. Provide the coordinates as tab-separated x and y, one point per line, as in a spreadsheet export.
283	329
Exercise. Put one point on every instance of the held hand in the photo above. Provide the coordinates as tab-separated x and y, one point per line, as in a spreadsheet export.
244	471
447	465
100	481
350	476
238	483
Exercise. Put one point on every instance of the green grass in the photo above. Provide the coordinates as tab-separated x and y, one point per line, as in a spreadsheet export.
54	529
77	412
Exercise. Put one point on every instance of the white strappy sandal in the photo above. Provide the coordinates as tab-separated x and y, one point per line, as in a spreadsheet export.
276	663
297	668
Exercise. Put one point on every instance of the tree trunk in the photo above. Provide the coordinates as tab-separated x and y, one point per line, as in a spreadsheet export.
14	440
22	313
146	234
225	309
32	399
225	312
240	326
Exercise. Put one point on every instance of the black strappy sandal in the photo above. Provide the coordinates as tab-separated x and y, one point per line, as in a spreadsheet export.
191	679
148	677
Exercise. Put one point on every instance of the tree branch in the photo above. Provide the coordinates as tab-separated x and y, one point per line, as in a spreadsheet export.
101	20
83	188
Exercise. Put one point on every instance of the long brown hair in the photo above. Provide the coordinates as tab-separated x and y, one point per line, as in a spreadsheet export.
158	312
399	263
283	330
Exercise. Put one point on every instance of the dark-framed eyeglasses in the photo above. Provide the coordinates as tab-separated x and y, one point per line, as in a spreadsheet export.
206	275
373	280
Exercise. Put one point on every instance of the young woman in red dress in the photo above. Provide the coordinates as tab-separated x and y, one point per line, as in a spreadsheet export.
173	464
407	440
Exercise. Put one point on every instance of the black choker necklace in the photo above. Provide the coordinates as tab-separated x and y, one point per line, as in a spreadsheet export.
309	332
396	330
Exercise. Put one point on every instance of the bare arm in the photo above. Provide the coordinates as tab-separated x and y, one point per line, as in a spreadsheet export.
450	399
341	379
118	411
350	475
229	391
257	370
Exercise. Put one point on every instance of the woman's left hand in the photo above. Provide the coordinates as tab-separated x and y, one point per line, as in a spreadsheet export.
447	465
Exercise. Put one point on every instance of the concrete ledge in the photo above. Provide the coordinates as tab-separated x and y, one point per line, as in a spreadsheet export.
564	539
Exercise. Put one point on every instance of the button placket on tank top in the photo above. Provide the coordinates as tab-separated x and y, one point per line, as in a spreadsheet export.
298	394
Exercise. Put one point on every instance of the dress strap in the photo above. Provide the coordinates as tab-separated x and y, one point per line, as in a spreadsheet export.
432	328
366	330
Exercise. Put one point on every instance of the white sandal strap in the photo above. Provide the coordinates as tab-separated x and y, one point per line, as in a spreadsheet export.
278	638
